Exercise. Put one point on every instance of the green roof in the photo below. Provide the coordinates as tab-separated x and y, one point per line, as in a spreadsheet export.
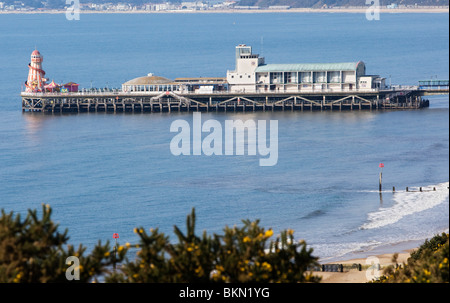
307	67
434	82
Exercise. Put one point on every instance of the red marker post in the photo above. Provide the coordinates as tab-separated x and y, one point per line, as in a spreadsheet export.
115	236
381	175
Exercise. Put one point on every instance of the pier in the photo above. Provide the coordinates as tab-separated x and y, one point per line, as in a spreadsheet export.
252	86
169	101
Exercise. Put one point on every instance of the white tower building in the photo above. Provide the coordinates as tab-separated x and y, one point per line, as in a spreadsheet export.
36	80
243	79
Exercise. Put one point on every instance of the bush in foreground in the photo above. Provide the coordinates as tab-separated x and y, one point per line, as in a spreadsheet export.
32	250
428	264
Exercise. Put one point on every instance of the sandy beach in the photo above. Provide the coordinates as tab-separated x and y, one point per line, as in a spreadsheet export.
353	275
360	10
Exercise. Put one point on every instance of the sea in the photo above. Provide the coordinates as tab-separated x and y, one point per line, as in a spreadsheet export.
109	173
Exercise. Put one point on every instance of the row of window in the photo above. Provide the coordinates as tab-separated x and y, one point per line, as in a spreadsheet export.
249	76
152	88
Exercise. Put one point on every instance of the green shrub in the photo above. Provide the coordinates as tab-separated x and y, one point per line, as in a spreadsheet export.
428	264
32	250
432	244
242	254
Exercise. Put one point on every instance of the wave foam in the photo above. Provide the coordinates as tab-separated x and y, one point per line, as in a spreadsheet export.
407	203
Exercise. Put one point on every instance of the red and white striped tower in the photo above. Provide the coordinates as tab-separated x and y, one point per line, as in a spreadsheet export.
36	74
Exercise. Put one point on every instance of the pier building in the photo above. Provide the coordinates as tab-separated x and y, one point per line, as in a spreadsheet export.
253	75
155	84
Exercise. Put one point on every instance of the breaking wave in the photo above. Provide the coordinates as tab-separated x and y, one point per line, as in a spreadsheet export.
407	203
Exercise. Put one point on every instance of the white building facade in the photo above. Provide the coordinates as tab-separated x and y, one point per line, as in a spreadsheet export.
253	75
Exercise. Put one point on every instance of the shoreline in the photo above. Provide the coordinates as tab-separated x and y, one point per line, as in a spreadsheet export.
362	10
363	276
383	253
380	249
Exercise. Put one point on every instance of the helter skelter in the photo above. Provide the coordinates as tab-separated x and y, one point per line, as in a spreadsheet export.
36	80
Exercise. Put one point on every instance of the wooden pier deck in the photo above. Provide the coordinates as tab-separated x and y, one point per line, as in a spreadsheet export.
222	101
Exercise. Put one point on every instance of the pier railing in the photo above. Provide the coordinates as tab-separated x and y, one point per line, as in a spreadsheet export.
156	93
116	100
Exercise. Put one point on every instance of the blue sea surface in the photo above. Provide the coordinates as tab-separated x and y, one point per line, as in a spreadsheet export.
108	173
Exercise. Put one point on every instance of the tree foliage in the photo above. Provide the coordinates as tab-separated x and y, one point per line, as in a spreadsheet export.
241	254
428	264
33	250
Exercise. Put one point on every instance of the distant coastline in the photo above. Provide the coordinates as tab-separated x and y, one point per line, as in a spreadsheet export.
384	10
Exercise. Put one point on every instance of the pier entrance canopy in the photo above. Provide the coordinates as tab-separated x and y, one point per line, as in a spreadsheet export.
150	83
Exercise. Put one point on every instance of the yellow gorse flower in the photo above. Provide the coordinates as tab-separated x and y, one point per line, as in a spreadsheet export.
268	233
266	266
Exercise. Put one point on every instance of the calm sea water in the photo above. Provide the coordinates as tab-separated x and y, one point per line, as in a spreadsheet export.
106	173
